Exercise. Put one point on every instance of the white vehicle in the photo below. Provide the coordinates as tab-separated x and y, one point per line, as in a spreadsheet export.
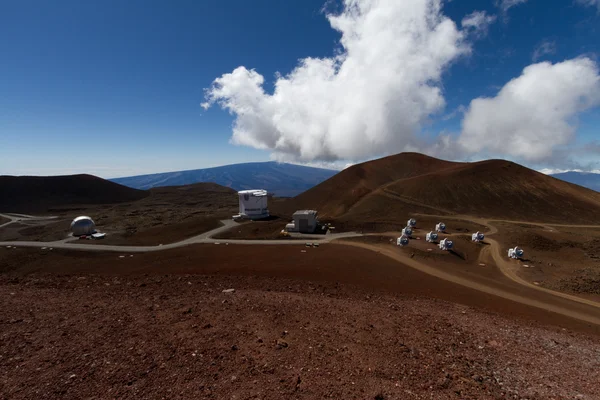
407	231
515	253
412	223
402	241
477	237
446	244
431	237
440	227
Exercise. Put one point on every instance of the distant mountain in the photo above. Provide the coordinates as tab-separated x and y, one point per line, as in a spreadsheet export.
284	180
589	180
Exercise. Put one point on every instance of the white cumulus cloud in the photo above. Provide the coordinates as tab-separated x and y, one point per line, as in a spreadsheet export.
478	22
370	99
590	3
534	113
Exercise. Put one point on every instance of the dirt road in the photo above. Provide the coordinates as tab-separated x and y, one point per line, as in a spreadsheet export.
589	312
557	302
202	238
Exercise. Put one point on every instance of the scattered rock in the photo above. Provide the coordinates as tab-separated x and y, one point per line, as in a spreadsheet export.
234	347
281	344
228	290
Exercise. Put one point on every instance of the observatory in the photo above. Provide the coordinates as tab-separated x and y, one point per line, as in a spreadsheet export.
402	240
83	226
407	231
477	237
431	237
253	204
305	221
515	253
446	244
412	223
440	227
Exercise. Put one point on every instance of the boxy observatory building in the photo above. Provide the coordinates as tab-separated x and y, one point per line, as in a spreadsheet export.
83	226
253	204
305	221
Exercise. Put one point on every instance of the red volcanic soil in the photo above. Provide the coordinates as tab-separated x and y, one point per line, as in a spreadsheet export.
338	194
391	188
165	215
557	257
502	189
77	325
39	193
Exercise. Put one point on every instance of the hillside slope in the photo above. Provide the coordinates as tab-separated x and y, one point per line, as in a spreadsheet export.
391	188
285	180
589	180
338	194
38	193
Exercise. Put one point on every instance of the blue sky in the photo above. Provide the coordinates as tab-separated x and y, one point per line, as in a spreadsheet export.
114	88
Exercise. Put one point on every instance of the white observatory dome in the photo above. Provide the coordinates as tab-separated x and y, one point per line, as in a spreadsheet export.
83	226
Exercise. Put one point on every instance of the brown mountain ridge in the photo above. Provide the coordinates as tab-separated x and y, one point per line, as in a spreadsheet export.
391	188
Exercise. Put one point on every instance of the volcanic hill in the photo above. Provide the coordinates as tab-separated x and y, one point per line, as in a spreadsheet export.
391	188
39	193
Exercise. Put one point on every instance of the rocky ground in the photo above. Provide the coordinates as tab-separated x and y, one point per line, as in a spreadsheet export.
559	258
77	325
191	337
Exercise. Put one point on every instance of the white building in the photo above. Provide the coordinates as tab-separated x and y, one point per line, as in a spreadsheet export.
83	226
305	221
515	253
407	231
412	223
253	204
440	227
477	237
402	240
446	244
431	237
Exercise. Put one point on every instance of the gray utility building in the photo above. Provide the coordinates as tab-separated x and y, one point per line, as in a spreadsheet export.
305	221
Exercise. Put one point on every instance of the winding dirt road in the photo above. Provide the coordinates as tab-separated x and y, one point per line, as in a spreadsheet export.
557	302
587	314
206	237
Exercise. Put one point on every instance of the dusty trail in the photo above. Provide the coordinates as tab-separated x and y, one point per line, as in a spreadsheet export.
202	238
591	315
12	217
509	270
506	267
588	313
